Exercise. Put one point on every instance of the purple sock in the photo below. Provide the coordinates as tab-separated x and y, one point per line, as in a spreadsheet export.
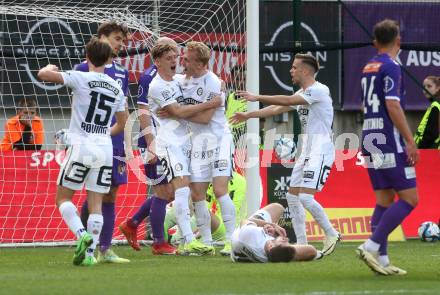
392	217
85	213
105	239
141	213
375	219
157	218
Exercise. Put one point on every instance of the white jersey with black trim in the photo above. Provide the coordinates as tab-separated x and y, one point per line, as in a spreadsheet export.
199	90
96	97
248	243
161	94
316	119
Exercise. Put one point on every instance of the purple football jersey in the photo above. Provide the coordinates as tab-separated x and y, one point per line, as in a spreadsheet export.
118	73
381	80
143	87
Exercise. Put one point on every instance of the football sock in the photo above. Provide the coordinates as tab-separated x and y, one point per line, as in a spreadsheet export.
108	213
203	219
94	227
181	207
228	214
141	213
392	217
318	213
375	219
85	213
298	216
71	218
371	246
157	217
384	260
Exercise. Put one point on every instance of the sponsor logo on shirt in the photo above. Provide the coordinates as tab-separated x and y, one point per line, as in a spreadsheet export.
372	67
309	174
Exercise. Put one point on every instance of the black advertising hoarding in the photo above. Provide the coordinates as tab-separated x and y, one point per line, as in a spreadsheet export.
319	24
278	180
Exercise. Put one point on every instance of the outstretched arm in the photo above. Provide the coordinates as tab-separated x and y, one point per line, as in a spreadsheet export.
262	113
50	73
184	112
281	100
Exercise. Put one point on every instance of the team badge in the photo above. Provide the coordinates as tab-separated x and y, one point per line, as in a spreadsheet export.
121	168
178	167
200	91
140	90
388	83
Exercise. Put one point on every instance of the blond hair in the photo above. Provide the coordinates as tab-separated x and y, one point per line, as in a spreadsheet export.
202	51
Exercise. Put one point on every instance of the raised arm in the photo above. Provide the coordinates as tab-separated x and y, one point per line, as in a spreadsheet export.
261	113
50	73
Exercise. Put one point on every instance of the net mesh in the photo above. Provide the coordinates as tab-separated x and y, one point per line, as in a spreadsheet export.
35	33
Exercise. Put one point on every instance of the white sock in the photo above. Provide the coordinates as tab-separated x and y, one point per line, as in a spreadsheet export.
298	216
181	198
71	218
371	246
318	214
203	219
228	214
384	260
94	227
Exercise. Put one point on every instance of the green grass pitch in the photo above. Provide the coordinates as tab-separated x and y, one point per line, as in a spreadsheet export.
50	271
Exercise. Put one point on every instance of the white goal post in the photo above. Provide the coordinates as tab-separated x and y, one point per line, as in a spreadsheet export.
35	33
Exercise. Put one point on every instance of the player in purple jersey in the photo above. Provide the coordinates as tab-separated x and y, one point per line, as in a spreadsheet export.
155	205
115	34
388	147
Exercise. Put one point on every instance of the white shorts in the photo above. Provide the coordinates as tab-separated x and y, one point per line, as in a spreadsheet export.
312	171
212	163
263	215
88	165
175	160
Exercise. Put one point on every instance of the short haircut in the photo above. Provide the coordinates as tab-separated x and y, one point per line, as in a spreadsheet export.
281	253
386	31
98	52
112	26
26	103
160	49
203	52
309	60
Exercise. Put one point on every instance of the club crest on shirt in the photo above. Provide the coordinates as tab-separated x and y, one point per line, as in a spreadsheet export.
200	91
388	84
121	168
140	90
178	167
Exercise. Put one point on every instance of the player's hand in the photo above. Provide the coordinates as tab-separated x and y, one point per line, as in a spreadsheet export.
281	232
238	117
162	113
51	67
246	95
151	155
412	153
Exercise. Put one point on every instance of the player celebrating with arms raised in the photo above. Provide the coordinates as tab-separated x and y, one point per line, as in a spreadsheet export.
312	167
96	98
390	166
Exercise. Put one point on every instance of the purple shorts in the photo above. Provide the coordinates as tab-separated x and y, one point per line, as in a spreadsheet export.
156	173
393	174
119	172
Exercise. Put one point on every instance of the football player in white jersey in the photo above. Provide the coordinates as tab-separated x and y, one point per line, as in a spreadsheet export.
260	239
88	162
172	144
317	153
211	142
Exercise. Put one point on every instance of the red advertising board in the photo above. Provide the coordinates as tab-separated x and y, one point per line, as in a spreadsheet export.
28	183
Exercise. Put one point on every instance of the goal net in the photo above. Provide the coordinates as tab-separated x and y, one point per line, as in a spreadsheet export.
35	33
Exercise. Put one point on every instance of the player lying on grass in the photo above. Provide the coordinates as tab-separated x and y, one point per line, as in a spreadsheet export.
260	239
88	160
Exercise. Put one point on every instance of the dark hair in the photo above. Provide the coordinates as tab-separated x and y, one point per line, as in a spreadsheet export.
160	49
112	26
26	103
309	60
386	31
98	52
281	253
